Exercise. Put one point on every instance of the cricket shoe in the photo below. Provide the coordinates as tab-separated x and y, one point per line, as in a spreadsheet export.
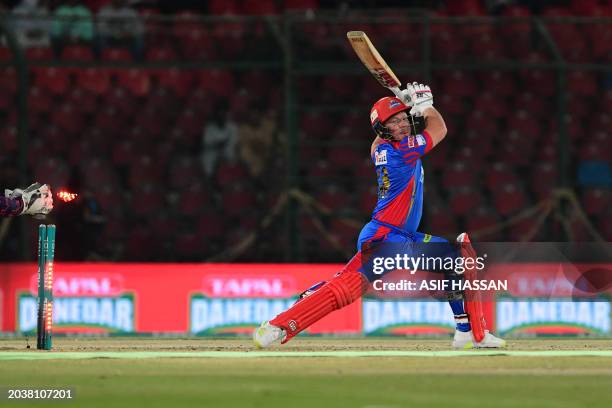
464	340
267	334
491	341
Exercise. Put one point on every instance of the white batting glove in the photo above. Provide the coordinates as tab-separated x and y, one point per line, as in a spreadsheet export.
421	98
37	199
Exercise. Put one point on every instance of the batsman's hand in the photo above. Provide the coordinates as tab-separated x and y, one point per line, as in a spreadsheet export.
420	96
37	199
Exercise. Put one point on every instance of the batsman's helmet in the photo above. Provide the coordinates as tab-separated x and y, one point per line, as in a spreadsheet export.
386	107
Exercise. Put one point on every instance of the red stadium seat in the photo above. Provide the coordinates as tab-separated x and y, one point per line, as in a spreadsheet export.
97	173
96	80
110	120
68	118
460	84
141	244
344	157
320	170
144	171
77	53
219	82
332	198
367	200
509	199
39	54
237	198
211	226
301	4
55	80
51	170
122	100
596	201
481	219
223	7
492	104
135	80
258	7
539	81
188	128
84	101
123	152
544	179
185	172
316	125
499	83
179	81
441	221
146	200
192	199
161	54
457	174
498	176
188	245
463	200
228	174
8	139
345	234
582	84
39	100
116	55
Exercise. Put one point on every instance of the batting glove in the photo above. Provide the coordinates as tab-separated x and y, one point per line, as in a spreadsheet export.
37	199
421	98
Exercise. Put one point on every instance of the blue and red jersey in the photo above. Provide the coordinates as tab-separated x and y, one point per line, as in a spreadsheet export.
400	181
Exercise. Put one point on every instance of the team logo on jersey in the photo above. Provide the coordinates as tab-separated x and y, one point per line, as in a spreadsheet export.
411	141
421	140
381	158
394	103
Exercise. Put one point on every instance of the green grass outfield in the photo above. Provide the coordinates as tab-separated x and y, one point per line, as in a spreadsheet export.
372	372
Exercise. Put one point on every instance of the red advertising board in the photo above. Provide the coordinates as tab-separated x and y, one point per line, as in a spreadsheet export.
166	298
220	299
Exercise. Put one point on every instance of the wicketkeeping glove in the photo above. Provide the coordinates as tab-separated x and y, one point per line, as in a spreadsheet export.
37	199
420	96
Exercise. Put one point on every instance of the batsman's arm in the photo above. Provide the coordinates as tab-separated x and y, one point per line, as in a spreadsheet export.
434	125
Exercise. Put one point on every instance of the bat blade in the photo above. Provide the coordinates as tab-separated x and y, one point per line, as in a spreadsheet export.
373	61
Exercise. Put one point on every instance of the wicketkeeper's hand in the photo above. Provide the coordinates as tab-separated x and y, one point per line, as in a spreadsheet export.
37	199
420	96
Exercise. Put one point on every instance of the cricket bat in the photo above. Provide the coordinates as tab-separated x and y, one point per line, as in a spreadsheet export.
371	58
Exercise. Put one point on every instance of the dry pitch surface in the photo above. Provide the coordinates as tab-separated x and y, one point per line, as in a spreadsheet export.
294	375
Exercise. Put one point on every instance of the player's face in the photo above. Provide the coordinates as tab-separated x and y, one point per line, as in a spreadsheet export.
398	125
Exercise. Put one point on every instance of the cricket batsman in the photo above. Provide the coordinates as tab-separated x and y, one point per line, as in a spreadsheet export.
396	154
36	199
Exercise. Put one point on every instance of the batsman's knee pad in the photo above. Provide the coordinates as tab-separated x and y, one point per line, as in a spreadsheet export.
343	289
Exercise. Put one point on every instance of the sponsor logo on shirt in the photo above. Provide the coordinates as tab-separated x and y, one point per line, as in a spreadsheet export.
381	158
411	141
421	140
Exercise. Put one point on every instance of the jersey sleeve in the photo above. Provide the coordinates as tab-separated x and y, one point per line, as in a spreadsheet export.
413	147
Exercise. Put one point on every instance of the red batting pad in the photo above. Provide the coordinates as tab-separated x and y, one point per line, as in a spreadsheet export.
343	289
473	301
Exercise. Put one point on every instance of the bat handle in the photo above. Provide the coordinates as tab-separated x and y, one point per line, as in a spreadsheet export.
404	98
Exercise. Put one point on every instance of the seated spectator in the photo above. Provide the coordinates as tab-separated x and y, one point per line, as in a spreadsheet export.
119	25
219	139
256	140
32	23
72	24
